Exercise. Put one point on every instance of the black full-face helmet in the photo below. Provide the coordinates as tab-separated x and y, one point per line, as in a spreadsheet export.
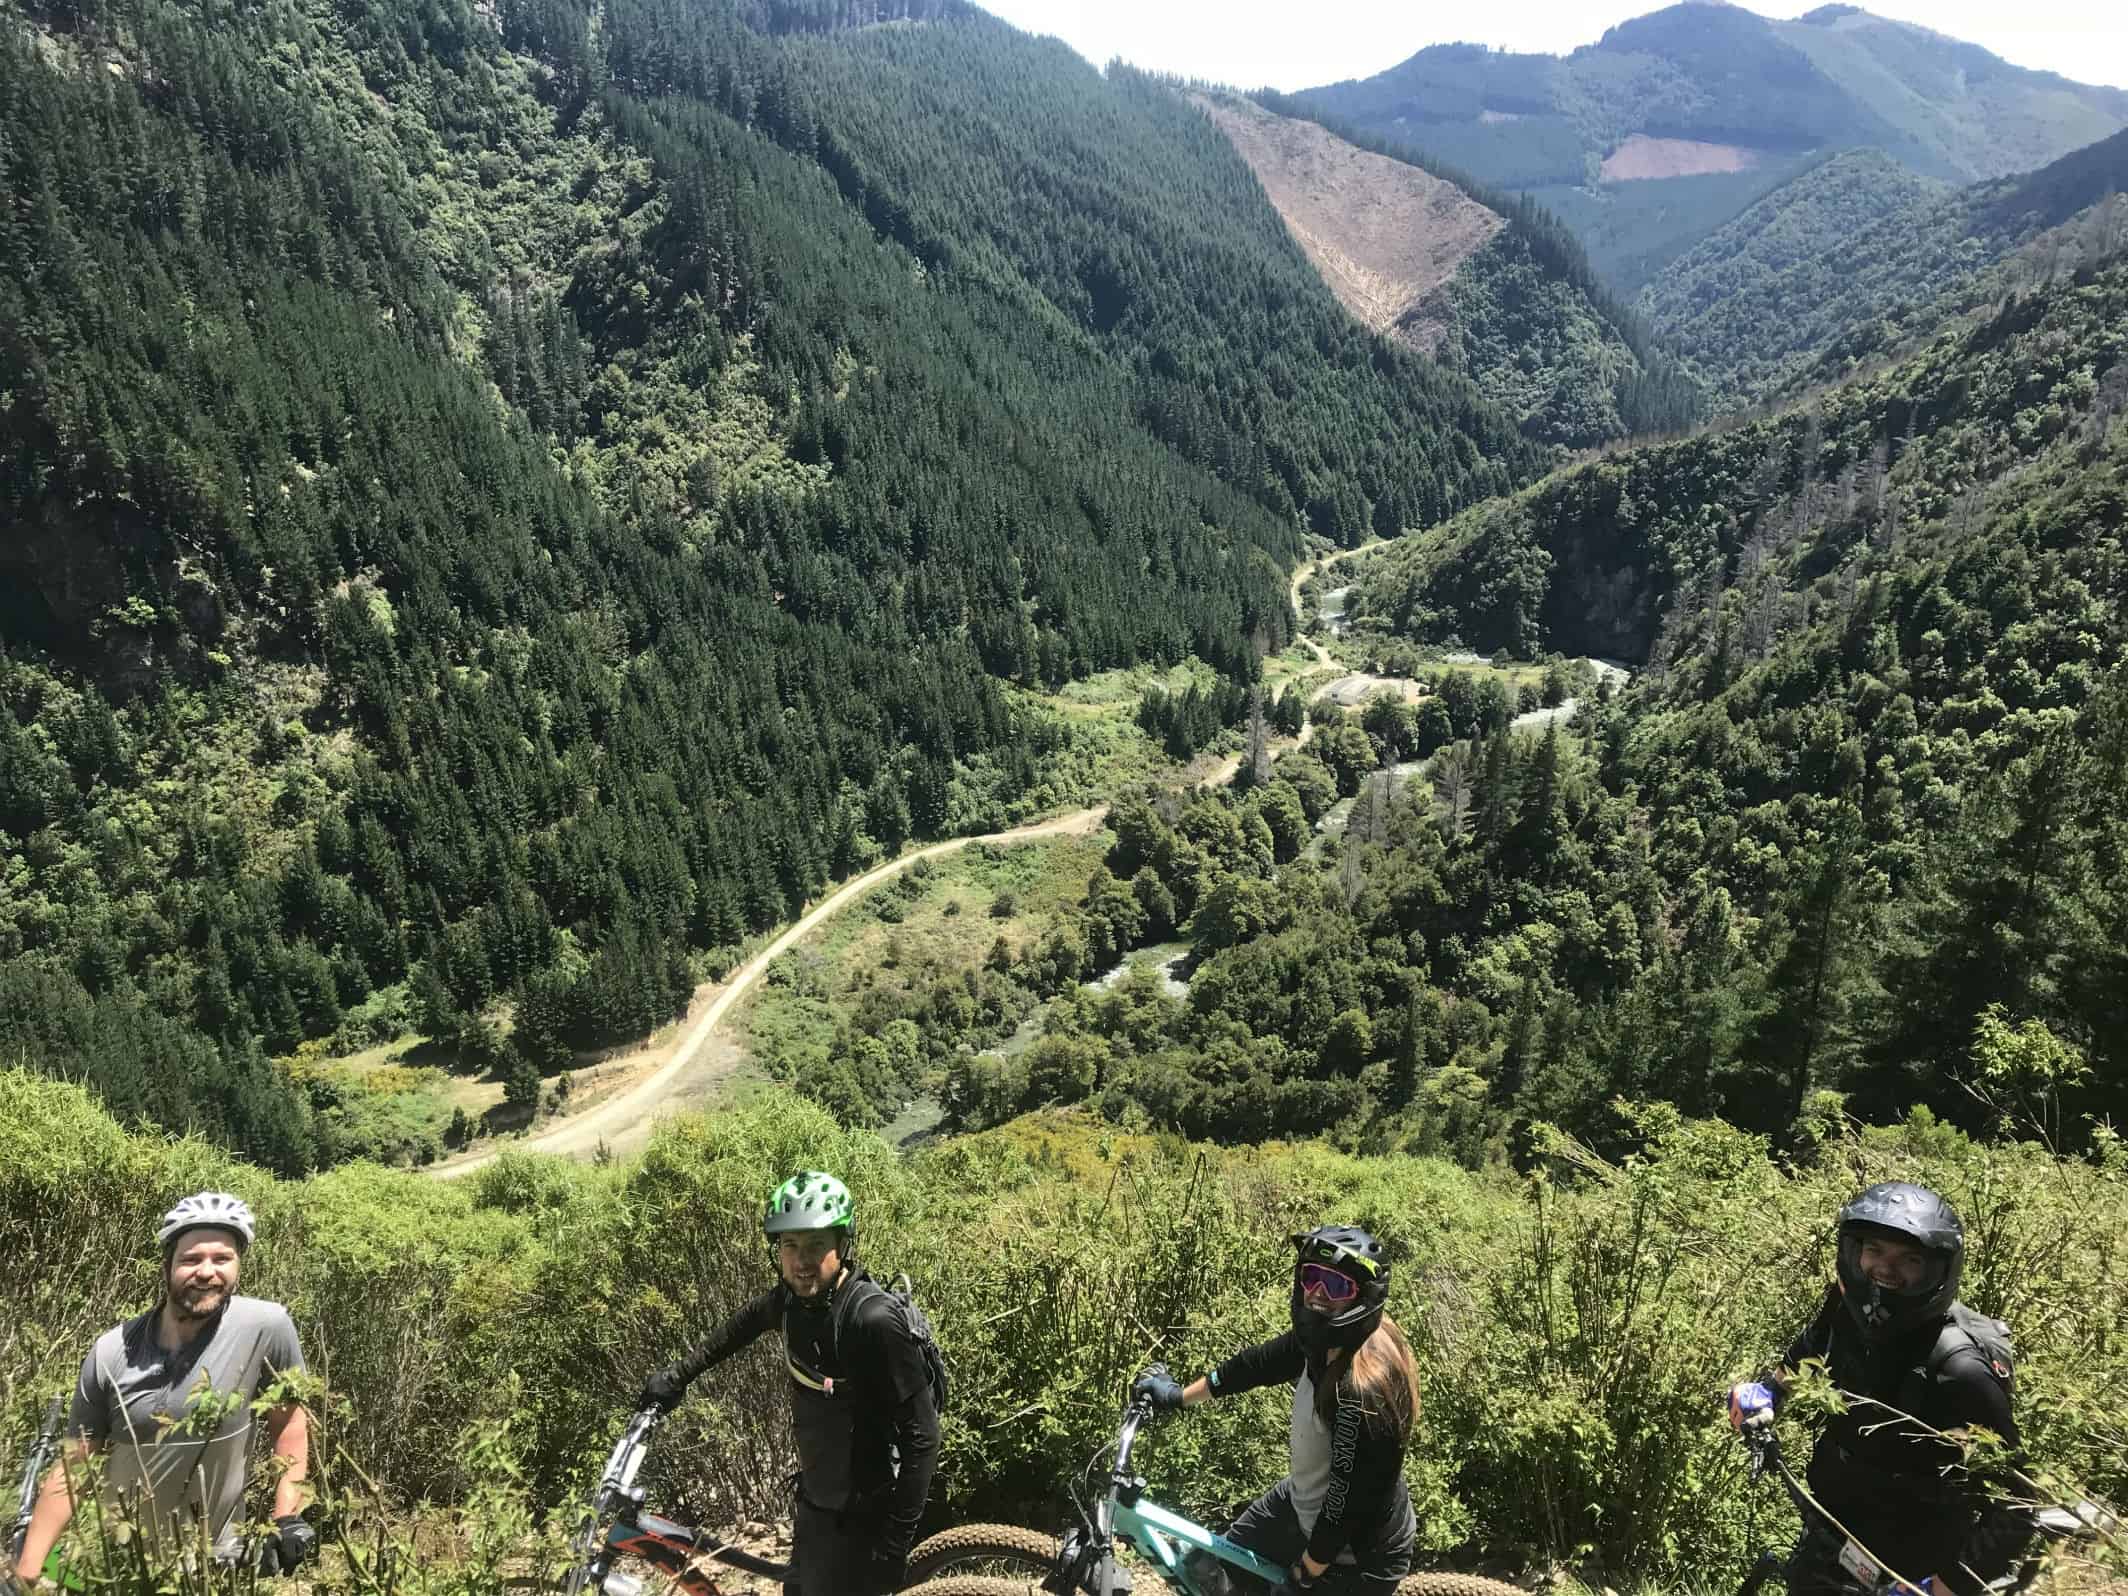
1909	1213
1349	1251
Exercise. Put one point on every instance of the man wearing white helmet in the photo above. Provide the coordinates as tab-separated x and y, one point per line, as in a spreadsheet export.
166	1398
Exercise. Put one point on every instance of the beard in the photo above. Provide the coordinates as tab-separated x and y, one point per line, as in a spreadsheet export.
198	1301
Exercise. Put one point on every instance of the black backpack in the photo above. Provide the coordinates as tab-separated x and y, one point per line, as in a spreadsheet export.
1989	1337
901	1299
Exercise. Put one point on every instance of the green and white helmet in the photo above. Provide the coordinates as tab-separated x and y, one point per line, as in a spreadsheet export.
809	1200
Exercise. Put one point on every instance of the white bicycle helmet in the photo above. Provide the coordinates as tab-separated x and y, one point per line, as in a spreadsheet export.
217	1208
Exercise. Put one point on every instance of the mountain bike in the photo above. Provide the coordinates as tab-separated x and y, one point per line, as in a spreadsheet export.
2051	1526
1006	1560
42	1450
614	1527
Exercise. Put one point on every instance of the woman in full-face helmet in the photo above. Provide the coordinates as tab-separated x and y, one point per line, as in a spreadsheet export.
1341	1519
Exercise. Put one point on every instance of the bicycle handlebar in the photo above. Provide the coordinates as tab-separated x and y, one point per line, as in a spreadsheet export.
2085	1520
631	1449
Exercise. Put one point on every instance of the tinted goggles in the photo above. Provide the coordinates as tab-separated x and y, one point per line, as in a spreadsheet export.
1332	1283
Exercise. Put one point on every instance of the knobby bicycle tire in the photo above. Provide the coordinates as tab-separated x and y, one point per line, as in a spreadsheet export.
975	1551
936	1562
1439	1584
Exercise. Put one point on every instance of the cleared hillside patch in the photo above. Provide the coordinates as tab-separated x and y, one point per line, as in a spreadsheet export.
930	925
1383	234
1641	157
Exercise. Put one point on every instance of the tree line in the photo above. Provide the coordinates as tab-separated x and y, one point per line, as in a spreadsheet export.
474	572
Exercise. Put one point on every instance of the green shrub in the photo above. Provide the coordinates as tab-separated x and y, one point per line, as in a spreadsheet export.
1575	1329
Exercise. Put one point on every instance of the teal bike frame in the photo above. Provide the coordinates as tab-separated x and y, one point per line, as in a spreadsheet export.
1162	1538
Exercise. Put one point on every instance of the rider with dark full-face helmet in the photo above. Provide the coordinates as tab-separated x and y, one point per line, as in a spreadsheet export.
1917	1379
861	1397
1341	1519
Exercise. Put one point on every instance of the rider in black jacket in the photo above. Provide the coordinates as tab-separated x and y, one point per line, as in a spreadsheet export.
1916	1383
861	1399
1342	1515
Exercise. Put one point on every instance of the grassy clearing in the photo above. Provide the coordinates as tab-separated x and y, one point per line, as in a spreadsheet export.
907	934
1109	751
1296	666
391	1102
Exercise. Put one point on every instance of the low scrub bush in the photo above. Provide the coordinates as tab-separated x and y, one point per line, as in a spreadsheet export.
1575	1327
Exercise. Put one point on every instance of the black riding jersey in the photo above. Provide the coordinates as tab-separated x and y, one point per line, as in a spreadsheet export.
1366	1445
1901	1489
858	1411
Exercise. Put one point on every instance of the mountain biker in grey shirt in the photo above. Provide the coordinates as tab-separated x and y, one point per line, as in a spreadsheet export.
166	1399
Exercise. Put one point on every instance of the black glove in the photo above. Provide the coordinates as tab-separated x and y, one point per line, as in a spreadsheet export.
663	1390
294	1540
1159	1388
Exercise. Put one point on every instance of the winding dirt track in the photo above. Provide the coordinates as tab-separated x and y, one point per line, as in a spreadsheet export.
580	1135
627	1117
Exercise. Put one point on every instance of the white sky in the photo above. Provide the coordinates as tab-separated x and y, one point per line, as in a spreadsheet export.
1253	43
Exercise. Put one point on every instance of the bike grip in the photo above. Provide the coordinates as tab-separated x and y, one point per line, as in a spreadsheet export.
1749	1404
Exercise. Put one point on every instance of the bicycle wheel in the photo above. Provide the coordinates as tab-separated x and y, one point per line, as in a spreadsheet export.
1432	1584
1022	1558
974	1585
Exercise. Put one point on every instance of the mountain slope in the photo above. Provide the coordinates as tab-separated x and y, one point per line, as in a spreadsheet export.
1856	826
1959	110
1857	255
1386	236
1487	288
1673	122
507	508
1600	559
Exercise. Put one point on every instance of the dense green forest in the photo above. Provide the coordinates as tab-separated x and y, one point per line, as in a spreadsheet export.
1855	829
1608	558
1530	341
1858	256
504	510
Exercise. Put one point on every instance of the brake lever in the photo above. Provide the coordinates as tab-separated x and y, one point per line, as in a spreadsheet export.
1759	1441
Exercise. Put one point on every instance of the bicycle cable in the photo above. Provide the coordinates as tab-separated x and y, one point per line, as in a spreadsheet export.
1804	1493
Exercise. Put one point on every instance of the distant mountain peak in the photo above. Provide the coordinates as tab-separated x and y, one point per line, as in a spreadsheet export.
1674	121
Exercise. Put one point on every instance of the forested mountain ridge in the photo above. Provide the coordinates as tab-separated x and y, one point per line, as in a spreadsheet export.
1675	121
1599	558
1486	285
506	508
1856	256
1855	830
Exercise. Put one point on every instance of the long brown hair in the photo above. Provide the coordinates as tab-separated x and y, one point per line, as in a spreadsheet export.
1381	1373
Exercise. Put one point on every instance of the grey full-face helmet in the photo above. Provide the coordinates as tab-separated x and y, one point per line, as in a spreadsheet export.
1903	1212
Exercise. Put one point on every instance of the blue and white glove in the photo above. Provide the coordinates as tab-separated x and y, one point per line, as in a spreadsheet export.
1750	1406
